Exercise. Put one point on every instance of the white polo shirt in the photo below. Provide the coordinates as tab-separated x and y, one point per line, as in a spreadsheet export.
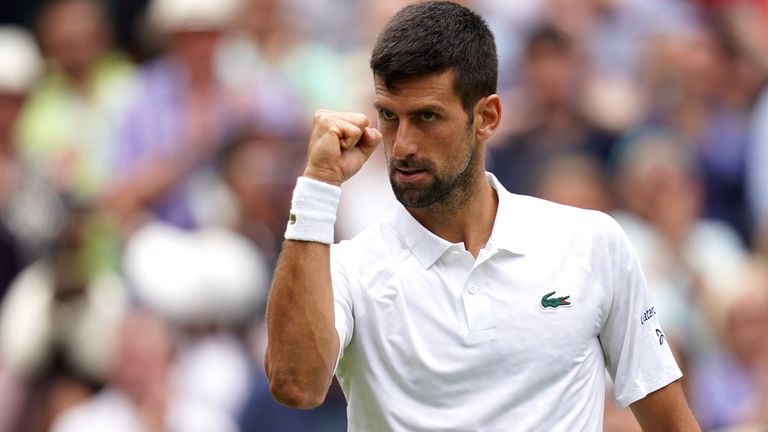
435	340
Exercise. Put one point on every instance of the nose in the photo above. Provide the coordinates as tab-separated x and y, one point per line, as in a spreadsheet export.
405	141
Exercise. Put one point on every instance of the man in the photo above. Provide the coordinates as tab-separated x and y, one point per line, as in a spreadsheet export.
469	308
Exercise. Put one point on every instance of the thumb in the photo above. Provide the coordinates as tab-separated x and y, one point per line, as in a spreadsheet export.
370	140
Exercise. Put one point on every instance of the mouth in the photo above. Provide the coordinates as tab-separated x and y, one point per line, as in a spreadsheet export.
409	174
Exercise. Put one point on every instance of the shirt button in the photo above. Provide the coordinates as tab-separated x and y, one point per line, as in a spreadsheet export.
473	289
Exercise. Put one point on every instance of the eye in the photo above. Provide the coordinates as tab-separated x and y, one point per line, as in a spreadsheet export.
429	116
387	114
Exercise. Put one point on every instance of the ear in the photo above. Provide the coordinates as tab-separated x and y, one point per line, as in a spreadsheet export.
487	116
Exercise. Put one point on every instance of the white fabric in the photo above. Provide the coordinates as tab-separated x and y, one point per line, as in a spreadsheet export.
433	339
710	258
214	371
20	61
32	323
170	16
313	211
107	411
111	410
212	275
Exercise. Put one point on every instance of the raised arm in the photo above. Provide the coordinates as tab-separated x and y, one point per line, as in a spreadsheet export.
302	343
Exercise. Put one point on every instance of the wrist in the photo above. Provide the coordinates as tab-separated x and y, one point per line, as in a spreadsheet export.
326	176
313	211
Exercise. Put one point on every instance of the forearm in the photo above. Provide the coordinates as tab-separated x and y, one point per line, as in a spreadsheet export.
302	341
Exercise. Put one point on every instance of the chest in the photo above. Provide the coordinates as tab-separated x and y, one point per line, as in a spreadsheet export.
464	318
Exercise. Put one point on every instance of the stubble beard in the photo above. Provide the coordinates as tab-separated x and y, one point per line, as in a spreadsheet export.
444	192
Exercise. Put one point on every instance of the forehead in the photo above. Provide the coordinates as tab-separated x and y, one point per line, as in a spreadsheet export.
435	89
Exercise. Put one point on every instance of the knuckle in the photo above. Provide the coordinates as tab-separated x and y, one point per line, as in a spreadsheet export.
321	116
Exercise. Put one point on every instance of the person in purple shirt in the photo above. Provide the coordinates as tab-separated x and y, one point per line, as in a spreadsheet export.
182	114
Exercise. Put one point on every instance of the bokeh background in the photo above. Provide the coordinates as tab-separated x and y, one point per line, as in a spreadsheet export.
148	149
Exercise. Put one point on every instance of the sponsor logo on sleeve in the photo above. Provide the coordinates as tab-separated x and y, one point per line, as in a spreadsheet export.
648	314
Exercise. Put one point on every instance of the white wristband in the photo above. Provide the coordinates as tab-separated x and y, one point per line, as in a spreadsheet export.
313	211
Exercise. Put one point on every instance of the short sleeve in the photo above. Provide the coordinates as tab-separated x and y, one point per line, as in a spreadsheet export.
637	353
342	300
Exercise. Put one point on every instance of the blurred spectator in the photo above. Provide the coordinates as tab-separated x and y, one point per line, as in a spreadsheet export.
576	180
30	213
552	119
687	260
70	121
211	284
211	275
703	86
510	22
613	33
268	48
137	395
183	113
335	23
68	311
260	172
731	387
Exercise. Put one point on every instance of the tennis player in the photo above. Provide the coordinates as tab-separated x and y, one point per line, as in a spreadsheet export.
468	308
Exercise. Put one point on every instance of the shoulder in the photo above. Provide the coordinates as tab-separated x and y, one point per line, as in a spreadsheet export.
549	219
560	233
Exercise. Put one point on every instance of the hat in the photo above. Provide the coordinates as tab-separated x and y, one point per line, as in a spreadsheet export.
20	61
170	16
211	275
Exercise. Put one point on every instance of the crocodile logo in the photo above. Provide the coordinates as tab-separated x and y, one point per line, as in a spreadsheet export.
554	302
292	218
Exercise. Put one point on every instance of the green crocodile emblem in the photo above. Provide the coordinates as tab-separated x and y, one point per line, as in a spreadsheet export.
291	218
547	302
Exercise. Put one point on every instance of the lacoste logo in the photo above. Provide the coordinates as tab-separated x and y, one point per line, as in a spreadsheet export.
292	218
547	302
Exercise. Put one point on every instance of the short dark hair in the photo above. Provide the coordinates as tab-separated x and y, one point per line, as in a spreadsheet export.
433	37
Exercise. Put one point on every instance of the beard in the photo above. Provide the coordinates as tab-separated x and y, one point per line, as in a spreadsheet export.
443	187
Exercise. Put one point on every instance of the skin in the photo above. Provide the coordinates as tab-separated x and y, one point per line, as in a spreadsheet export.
665	410
429	140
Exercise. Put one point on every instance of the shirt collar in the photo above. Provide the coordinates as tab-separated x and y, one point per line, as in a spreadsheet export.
508	232
513	225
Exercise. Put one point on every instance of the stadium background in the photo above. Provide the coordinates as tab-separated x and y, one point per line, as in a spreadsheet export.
148	150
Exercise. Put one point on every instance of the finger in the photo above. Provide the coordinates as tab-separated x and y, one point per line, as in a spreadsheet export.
370	140
348	134
357	119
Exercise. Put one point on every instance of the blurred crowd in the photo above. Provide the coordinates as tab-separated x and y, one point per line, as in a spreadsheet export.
148	153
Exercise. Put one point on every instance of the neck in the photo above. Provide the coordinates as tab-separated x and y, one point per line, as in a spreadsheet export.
466	216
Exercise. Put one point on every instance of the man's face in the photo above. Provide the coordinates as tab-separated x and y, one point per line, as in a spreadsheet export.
429	140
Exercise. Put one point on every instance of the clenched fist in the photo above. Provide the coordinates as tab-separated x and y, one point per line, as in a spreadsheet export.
340	144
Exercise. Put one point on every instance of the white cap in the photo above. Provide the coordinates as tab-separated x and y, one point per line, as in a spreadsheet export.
170	16
211	275
20	61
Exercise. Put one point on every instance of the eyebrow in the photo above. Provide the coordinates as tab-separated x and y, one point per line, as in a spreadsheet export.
426	108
